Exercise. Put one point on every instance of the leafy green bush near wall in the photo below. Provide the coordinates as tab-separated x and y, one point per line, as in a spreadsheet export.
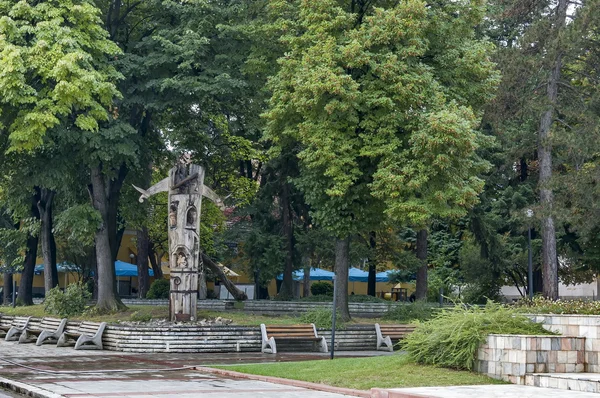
322	318
68	303
420	310
321	289
541	305
159	289
452	337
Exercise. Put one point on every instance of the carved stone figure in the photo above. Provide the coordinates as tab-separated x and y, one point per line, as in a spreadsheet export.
185	185
173	215
182	260
191	217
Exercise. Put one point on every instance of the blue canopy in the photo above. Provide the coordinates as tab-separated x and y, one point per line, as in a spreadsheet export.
62	267
316	274
121	268
385	275
357	275
125	269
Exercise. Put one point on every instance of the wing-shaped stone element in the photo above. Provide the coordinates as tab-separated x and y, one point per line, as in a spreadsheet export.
162	186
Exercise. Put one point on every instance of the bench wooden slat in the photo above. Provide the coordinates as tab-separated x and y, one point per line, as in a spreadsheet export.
293	333
387	333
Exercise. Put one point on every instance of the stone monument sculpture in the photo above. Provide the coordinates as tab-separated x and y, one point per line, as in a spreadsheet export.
186	188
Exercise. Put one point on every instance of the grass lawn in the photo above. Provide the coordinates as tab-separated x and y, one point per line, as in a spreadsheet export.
393	371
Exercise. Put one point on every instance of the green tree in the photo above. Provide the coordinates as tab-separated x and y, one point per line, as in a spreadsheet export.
380	97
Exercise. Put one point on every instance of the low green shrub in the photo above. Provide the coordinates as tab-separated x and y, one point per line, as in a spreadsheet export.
321	288
322	318
353	298
159	289
364	298
68	303
420	310
541	305
452	337
140	316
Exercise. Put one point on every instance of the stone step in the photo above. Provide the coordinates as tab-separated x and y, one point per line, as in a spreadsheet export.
584	382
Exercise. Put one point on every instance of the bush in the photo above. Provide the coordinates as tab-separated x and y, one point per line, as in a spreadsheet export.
365	298
140	316
68	303
321	288
353	298
420	310
541	305
452	337
159	289
322	318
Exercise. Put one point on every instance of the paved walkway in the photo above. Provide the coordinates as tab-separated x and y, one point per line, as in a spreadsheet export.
491	391
64	372
48	371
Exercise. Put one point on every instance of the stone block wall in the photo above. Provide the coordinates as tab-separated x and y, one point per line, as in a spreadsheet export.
510	357
587	326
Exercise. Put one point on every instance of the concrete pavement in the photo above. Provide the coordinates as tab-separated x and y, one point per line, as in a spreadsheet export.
52	372
48	371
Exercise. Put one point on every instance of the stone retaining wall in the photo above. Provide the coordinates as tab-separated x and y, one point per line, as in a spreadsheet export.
230	338
222	339
270	307
510	357
587	326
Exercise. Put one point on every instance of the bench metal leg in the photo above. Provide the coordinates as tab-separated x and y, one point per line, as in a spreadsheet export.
12	334
269	346
24	337
45	337
62	340
383	340
323	345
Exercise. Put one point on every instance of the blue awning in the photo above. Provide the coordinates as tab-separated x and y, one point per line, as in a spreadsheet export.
125	269
316	274
385	275
121	268
357	275
62	267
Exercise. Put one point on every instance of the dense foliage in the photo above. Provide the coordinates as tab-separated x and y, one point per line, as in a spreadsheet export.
72	301
321	289
159	289
387	135
452	337
541	305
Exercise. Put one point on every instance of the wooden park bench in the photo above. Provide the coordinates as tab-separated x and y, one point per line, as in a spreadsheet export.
87	335
15	328
388	335
49	329
295	333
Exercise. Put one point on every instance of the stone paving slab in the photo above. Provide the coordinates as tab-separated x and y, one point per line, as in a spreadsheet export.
64	372
485	391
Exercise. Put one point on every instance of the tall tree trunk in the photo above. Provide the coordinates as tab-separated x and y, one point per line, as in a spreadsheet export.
421	292
142	261
7	287
44	205
287	289
235	292
342	260
108	300
155	261
372	279
26	285
549	257
115	234
306	277
94	274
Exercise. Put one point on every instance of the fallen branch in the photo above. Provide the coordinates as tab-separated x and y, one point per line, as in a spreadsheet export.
235	292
